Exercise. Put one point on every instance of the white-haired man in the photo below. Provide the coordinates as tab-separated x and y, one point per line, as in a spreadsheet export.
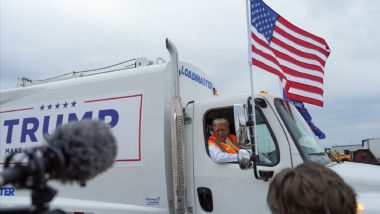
222	145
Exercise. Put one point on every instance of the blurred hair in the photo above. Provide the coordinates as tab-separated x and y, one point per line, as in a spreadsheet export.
220	121
310	189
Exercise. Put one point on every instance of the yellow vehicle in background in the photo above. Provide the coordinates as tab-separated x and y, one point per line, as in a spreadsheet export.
337	156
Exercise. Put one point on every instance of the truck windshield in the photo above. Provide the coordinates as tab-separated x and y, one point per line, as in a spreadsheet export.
307	143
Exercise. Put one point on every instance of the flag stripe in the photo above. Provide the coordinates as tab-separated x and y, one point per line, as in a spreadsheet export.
299	47
304	87
271	61
295	56
303	80
305	34
303	75
296	62
299	68
301	92
267	59
301	42
297	52
295	78
290	68
266	67
305	99
284	30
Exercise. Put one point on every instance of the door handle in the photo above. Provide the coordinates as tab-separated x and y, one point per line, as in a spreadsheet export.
205	198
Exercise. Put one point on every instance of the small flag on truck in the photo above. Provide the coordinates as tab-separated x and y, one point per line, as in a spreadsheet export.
297	57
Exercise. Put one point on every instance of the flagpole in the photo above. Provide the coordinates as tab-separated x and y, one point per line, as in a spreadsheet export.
253	110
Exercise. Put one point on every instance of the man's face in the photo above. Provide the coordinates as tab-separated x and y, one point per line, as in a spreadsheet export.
221	131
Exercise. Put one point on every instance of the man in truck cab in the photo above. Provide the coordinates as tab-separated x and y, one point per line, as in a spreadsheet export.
222	145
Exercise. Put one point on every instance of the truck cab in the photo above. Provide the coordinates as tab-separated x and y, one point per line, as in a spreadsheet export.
280	145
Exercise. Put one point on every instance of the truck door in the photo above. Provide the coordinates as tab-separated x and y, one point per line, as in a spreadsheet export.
225	188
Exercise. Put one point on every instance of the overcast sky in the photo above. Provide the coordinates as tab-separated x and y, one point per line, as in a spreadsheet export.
40	39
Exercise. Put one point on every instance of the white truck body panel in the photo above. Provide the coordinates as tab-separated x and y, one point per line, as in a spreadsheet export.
140	99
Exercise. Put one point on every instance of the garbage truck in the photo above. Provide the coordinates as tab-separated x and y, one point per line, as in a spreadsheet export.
161	114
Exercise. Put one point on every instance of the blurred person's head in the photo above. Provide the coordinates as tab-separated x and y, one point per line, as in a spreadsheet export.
220	128
310	189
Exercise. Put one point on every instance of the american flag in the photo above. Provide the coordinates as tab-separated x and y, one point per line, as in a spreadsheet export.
297	57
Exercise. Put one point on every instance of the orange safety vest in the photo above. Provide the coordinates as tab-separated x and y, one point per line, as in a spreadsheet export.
229	145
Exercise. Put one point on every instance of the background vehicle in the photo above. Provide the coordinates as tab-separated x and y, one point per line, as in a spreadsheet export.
372	144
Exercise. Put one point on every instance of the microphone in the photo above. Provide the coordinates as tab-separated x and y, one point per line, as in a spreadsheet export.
75	152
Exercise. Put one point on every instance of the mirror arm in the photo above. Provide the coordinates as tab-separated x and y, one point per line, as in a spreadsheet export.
250	125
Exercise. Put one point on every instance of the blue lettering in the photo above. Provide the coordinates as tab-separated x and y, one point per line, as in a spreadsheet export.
59	119
45	127
25	131
187	72
87	115
10	124
31	126
7	191
9	151
181	71
195	77
200	80
109	113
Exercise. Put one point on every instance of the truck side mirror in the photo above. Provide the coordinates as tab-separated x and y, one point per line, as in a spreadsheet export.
240	119
240	124
244	159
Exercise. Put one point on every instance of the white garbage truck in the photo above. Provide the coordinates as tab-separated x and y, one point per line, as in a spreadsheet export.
161	114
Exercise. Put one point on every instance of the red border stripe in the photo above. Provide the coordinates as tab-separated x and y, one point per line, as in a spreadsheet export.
13	110
112	98
140	118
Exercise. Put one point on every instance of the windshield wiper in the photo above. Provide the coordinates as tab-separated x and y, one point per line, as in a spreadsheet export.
318	153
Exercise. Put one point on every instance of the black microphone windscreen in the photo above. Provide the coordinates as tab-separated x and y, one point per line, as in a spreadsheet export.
88	146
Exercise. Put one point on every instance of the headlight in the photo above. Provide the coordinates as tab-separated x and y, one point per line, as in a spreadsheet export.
360	208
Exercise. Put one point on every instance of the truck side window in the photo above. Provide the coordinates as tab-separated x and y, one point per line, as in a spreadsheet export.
267	145
226	113
266	142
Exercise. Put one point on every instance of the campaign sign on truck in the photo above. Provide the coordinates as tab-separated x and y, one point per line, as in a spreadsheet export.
24	126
